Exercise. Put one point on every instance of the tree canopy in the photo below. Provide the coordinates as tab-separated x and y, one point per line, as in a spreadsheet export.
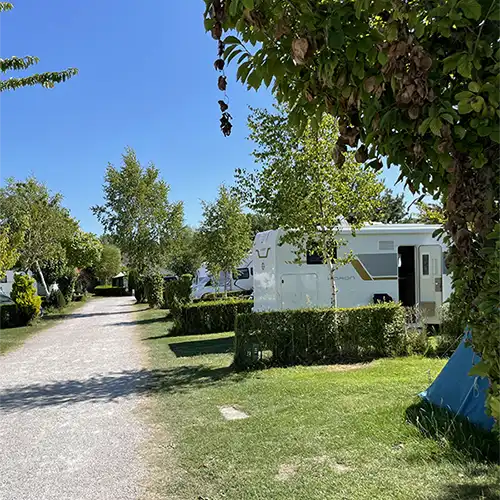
416	83
186	255
137	213
109	263
392	209
224	233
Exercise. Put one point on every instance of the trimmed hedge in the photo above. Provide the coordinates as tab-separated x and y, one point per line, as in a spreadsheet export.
9	316
229	295
153	287
177	293
109	291
210	317
307	336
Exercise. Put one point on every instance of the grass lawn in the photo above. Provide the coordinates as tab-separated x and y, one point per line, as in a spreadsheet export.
13	338
323	432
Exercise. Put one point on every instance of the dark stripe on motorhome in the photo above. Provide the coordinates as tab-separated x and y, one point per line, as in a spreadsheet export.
380	265
262	256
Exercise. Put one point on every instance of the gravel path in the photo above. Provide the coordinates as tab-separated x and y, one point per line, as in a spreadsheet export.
70	409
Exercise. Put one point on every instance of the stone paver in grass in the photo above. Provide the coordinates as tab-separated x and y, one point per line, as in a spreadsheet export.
232	413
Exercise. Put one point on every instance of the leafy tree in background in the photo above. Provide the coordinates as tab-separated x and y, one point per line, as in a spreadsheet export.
83	249
430	213
138	214
186	256
14	63
414	82
30	209
303	190
259	223
109	264
9	253
392	209
224	234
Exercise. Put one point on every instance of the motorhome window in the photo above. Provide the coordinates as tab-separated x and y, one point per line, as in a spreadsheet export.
242	273
445	268
425	264
208	283
251	271
314	257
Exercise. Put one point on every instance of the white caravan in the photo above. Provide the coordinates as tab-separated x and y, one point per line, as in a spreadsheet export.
241	280
399	262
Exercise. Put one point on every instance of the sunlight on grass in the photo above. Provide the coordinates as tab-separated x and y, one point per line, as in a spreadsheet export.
313	432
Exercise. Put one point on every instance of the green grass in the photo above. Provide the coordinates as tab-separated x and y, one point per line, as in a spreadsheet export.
338	432
13	338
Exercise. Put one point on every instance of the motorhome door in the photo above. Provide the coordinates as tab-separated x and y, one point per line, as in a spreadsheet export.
430	281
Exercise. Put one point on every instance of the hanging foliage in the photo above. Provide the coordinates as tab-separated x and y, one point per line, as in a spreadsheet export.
416	83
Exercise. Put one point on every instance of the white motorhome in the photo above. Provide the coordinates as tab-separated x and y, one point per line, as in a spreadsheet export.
241	280
399	262
8	280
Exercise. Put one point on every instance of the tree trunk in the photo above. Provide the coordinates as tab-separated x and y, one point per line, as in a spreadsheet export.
332	283
39	270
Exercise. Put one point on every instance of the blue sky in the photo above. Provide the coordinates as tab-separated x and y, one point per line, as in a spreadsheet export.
146	80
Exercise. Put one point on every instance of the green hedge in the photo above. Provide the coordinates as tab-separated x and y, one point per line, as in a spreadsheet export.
307	336
177	293
109	291
222	296
9	316
210	317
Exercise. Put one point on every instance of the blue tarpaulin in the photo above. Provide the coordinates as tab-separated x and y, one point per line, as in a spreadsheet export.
458	391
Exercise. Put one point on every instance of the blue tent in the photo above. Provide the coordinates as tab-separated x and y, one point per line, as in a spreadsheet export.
459	392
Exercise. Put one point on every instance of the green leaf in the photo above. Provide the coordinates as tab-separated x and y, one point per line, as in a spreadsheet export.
365	44
460	131
233	55
419	30
464	107
464	67
474	87
477	104
463	95
248	4
447	117
422	129
495	136
336	39
470	8
255	79
351	52
231	40
450	63
243	71
480	370
382	58
484	130
392	32
435	126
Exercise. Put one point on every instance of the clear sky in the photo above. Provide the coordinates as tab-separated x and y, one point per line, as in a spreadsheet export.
146	80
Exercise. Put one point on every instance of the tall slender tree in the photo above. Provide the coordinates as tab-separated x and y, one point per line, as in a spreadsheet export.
303	190
224	234
136	212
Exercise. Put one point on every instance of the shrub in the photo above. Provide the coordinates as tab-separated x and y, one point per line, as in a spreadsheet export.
56	299
67	286
308	336
9	316
138	287
210	317
24	295
153	287
109	291
178	293
228	295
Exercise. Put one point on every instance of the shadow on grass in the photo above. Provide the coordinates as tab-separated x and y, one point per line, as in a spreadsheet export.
113	386
200	347
469	492
446	428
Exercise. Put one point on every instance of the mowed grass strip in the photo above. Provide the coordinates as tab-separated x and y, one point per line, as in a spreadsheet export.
332	432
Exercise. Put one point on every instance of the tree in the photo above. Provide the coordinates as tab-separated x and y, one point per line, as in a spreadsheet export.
83	249
109	264
186	256
8	250
138	214
302	189
259	223
30	209
430	213
14	63
414	82
224	234
392	209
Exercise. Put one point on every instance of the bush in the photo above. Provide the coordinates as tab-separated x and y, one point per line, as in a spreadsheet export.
177	293
9	316
67	286
109	291
307	336
24	295
210	317
222	296
56	299
138	287
153	287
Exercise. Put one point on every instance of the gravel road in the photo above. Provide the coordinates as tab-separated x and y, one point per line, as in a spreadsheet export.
71	401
